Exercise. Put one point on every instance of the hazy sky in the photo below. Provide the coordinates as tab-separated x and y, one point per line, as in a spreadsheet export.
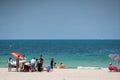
59	19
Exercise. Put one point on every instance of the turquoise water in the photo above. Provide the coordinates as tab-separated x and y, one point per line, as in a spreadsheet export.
73	53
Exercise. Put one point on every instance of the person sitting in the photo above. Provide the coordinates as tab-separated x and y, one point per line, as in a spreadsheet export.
27	67
113	68
55	65
11	64
22	67
62	66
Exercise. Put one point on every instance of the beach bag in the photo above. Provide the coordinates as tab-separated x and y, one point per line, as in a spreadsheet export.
48	68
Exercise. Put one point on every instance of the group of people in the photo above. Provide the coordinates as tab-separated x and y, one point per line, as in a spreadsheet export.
33	65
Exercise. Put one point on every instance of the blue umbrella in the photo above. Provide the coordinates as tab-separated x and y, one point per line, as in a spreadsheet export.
115	57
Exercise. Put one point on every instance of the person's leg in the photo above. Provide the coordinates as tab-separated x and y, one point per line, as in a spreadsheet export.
36	69
33	67
9	67
17	67
51	68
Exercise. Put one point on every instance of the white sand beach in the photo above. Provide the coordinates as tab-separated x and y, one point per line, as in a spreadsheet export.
60	74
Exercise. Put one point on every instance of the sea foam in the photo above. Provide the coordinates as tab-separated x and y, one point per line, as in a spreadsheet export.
91	68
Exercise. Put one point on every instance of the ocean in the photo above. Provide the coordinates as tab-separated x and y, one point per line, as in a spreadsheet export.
73	53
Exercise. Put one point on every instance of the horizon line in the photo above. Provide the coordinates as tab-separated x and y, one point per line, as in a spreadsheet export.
59	39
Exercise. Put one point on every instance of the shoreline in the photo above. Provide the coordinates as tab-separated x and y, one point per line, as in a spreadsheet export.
61	74
78	67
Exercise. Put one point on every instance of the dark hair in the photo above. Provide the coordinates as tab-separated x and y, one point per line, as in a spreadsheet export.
10	58
61	63
110	64
36	59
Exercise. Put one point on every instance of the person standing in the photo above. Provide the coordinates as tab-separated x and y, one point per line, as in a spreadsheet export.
17	64
9	64
41	60
24	59
40	64
52	63
33	61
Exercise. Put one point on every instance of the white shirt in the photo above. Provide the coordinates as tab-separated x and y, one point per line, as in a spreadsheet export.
33	61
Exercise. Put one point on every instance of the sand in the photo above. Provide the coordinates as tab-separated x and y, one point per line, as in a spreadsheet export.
60	74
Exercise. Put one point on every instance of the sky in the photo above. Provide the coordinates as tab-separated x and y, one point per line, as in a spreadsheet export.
59	19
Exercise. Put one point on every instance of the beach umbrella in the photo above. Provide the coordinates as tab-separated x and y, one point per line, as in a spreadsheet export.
17	55
115	57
